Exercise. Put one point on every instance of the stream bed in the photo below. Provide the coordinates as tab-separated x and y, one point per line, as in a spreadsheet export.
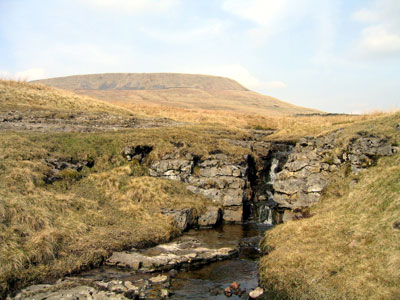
201	278
209	282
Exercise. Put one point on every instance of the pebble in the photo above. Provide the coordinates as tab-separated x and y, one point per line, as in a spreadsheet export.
159	279
257	292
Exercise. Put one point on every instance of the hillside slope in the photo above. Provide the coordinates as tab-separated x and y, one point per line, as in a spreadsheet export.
69	198
176	90
25	106
348	245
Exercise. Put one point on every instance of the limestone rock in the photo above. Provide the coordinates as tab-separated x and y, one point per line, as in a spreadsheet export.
210	218
136	152
72	293
183	218
289	186
233	214
181	253
159	279
125	259
233	197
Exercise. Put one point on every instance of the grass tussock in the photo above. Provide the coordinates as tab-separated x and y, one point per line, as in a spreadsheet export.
350	248
52	230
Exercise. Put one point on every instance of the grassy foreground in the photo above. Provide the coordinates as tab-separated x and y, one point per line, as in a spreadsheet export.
350	247
52	230
49	230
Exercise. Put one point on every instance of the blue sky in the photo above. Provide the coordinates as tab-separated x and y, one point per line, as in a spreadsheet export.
333	55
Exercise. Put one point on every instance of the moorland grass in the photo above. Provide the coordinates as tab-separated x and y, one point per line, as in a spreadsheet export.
346	251
54	229
350	247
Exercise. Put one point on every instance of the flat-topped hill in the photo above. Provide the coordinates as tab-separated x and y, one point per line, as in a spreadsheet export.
143	81
186	91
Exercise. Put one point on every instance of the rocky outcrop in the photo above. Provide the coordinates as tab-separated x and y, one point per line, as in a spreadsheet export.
210	218
233	184
273	184
216	177
61	168
77	288
73	121
304	176
138	152
184	218
365	149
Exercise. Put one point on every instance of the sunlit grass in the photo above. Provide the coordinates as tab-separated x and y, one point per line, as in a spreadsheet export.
350	248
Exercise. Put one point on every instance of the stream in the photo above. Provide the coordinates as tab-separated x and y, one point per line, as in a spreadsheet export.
201	264
210	280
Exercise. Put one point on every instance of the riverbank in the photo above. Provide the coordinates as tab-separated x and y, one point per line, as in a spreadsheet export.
201	264
348	246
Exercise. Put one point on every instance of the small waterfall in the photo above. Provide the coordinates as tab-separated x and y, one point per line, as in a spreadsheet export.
265	215
265	208
272	170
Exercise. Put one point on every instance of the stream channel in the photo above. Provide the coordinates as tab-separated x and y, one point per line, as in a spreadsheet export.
206	281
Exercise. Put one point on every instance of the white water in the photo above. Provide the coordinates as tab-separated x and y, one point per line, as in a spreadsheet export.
272	171
265	213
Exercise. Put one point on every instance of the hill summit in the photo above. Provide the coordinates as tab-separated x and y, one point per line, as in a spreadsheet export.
143	81
187	91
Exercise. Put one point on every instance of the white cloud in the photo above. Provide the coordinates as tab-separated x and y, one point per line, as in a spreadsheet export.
71	58
381	36
365	16
274	18
25	75
269	16
275	85
236	72
133	6
210	28
377	40
84	53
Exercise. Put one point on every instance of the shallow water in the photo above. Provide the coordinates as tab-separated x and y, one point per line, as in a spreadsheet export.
209	281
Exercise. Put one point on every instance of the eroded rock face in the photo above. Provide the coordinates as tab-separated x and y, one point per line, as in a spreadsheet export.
216	177
365	149
210	218
279	175
304	176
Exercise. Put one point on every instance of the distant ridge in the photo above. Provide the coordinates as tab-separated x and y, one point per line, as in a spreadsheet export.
143	81
187	91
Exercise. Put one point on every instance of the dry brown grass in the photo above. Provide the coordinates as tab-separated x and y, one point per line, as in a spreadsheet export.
285	127
22	95
176	90
52	230
349	249
238	101
142	81
61	228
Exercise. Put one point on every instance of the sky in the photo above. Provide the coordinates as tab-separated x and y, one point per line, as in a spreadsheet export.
333	55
